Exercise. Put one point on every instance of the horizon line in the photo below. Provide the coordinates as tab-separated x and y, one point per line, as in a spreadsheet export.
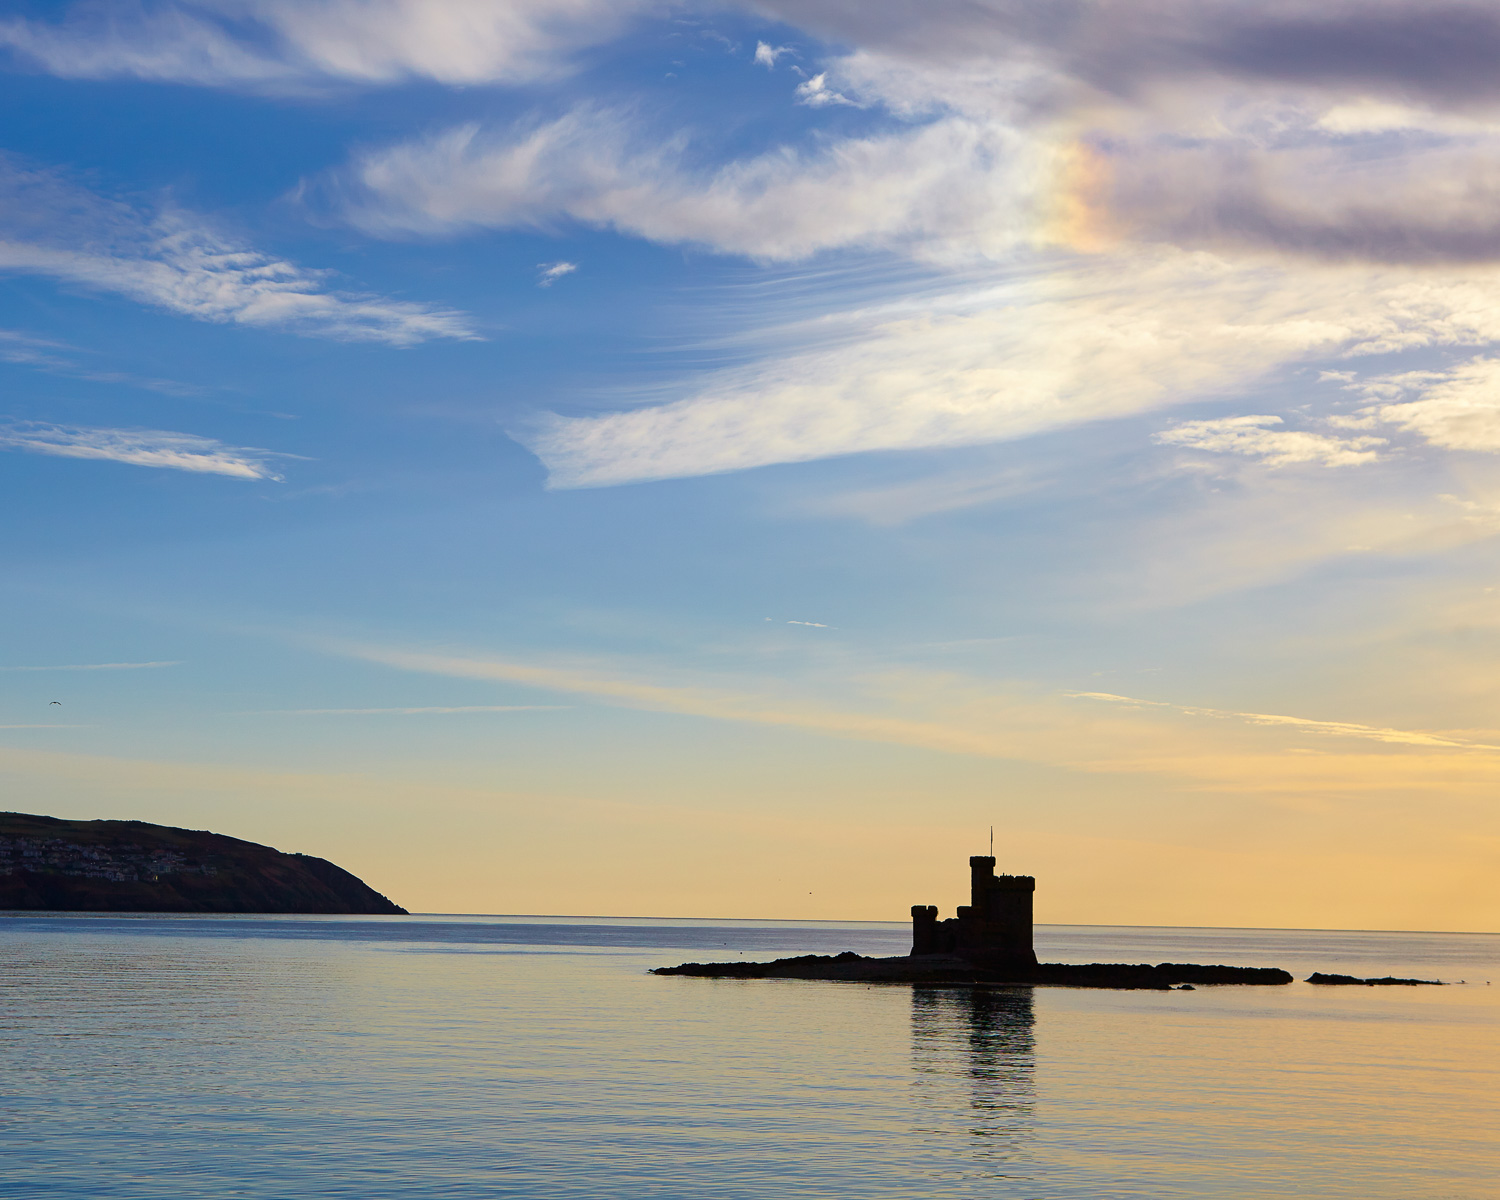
45	912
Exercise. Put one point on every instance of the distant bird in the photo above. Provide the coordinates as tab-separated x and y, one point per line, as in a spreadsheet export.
55	702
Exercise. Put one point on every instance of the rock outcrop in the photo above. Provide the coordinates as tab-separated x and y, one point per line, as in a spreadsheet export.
132	866
1320	977
951	969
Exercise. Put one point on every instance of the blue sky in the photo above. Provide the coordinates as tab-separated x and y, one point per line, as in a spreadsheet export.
739	452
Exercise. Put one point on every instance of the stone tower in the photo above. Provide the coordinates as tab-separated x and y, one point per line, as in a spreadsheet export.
992	930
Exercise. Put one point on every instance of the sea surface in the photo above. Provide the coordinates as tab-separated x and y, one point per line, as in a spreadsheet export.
453	1058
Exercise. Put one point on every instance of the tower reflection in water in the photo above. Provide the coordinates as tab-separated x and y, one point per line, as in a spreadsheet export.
974	1058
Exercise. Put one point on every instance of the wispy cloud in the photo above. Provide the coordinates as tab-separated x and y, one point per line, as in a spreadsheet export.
1085	163
1078	183
114	666
172	260
1374	733
140	447
58	358
297	45
550	273
953	182
23	349
767	54
407	712
716	703
1079	163
1259	437
952	714
1094	339
815	93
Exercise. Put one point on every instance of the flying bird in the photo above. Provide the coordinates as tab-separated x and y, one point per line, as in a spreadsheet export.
55	702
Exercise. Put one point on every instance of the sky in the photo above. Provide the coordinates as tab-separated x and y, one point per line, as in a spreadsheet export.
719	459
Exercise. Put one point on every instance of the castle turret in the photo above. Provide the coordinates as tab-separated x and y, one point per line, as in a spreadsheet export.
993	930
981	876
924	939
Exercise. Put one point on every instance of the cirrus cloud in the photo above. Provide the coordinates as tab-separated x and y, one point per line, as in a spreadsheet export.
139	447
1091	340
296	45
173	260
953	186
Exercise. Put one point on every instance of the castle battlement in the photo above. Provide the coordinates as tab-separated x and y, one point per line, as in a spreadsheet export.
993	929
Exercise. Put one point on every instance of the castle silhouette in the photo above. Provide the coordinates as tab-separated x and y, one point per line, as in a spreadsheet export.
989	942
992	931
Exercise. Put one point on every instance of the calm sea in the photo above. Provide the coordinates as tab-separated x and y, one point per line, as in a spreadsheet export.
156	1057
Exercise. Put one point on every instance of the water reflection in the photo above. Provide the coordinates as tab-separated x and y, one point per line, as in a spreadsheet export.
974	1057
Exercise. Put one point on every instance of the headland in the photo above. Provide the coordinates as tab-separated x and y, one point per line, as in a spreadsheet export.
48	864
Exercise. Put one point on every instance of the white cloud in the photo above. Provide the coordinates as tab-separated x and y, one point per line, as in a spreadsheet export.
1114	336
175	261
1458	409
767	54
1259	437
289	45
550	273
1235	205
140	447
1083	216
1366	115
947	187
815	93
191	271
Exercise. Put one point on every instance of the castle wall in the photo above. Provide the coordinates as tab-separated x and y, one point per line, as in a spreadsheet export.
994	928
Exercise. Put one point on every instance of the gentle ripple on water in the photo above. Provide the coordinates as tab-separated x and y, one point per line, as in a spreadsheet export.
146	1058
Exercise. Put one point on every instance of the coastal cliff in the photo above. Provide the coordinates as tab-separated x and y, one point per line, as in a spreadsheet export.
133	866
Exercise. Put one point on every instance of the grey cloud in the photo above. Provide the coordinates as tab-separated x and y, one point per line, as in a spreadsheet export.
1430	205
1219	124
1445	53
